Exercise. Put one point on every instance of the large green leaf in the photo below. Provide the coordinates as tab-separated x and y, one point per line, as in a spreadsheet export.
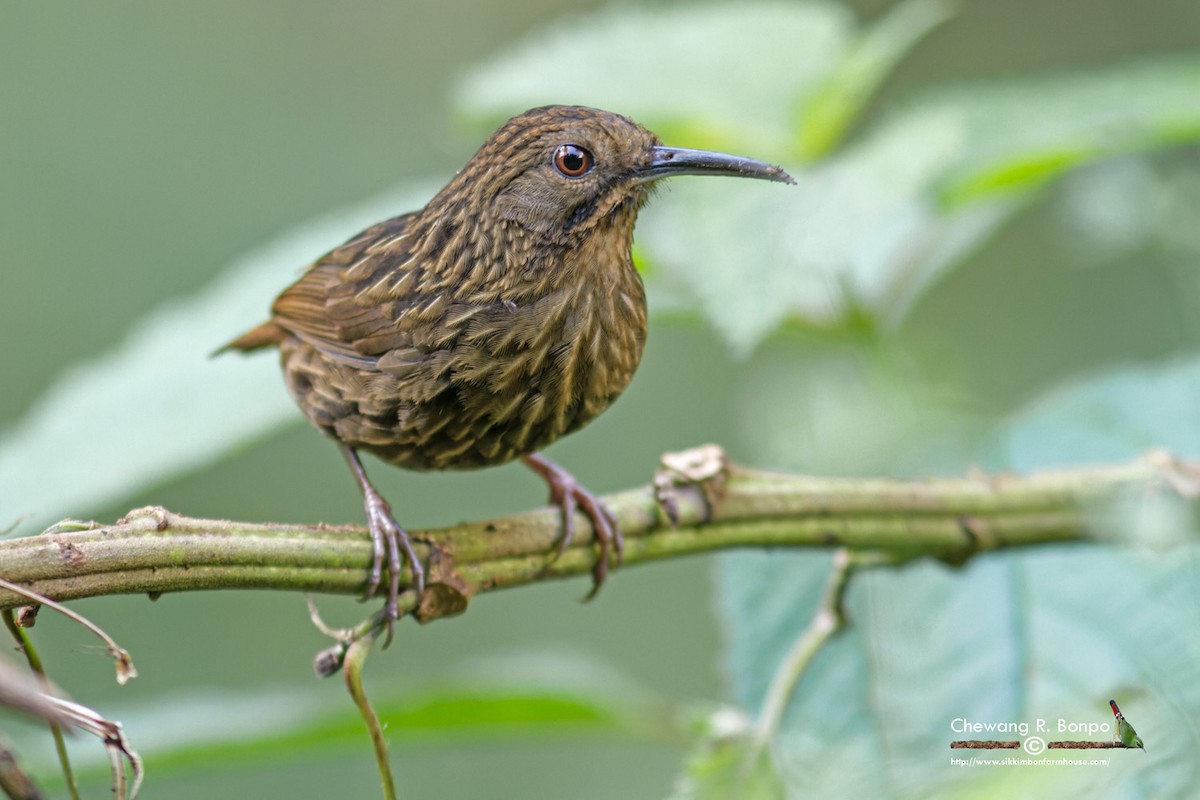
1043	635
870	229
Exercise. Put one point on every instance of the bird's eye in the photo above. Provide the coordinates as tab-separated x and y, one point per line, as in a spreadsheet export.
572	160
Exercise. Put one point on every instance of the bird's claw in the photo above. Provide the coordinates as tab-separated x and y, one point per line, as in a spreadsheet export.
388	540
570	495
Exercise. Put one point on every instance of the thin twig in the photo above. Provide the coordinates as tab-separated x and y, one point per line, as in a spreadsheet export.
356	656
80	716
124	663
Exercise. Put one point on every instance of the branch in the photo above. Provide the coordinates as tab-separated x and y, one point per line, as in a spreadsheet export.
715	506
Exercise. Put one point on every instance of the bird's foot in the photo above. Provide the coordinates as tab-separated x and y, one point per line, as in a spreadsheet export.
568	494
388	540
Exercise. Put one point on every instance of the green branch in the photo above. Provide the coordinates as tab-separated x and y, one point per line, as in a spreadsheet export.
716	506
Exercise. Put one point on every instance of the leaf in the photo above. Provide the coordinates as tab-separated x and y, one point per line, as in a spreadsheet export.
719	75
1025	132
858	233
869	230
192	731
828	112
1110	416
1047	635
157	405
718	769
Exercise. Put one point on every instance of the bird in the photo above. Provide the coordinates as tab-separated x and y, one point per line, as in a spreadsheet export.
1125	732
479	329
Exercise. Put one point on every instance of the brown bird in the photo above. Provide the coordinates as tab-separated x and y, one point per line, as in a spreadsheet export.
504	314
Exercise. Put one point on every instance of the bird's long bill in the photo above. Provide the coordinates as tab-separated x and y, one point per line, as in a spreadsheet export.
668	161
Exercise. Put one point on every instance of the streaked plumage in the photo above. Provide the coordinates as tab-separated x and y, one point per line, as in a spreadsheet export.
503	315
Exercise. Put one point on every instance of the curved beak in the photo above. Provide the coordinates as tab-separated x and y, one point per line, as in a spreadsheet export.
668	161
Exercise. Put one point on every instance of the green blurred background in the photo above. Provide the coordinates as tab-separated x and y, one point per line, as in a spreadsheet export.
145	145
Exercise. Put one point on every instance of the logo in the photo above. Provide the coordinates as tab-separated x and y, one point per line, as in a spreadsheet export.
1120	735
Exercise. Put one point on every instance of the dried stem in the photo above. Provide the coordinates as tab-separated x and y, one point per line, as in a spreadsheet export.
121	657
54	716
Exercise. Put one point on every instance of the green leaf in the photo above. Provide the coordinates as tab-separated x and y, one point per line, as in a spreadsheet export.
1110	416
558	695
715	75
721	767
1025	132
1049	634
828	112
870	229
858	233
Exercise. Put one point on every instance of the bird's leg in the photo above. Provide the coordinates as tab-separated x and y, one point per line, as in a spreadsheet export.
568	494
388	538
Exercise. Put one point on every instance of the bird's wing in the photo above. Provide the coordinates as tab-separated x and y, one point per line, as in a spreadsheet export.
359	303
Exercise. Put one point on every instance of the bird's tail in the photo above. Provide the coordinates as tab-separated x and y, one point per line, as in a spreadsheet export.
264	335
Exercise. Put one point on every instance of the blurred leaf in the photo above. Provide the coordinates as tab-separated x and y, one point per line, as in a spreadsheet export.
856	235
1027	131
829	111
158	405
1138	213
869	230
1046	634
1109	417
718	769
718	75
809	404
193	731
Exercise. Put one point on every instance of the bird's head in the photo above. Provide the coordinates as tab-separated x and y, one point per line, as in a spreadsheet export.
560	171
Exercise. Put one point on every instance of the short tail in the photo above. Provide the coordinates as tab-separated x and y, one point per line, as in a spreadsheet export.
264	335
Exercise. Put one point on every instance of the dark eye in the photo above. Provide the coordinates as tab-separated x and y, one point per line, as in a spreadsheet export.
572	160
